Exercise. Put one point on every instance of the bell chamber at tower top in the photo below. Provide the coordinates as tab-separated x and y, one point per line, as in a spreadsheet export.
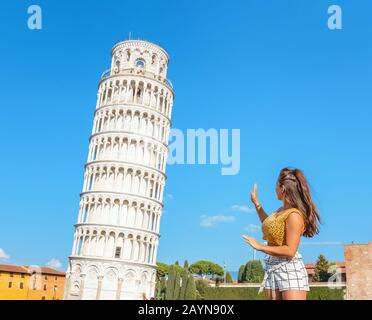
139	57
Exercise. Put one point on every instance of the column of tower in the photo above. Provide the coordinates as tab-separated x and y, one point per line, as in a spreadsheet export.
117	233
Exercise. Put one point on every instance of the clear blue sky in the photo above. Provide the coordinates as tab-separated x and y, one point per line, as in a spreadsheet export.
299	92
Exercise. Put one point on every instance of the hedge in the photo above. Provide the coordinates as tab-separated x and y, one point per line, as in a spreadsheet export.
228	293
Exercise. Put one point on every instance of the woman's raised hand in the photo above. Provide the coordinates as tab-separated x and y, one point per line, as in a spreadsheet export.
254	197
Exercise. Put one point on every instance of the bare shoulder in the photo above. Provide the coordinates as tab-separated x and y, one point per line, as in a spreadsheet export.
295	214
295	219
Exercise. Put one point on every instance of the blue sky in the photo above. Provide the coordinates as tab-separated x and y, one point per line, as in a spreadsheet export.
299	92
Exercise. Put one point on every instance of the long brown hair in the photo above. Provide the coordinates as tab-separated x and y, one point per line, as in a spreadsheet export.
297	194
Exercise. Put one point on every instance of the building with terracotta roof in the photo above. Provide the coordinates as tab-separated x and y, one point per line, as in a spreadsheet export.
30	283
310	268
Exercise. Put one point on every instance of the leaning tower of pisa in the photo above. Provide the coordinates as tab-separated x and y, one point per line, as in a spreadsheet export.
117	233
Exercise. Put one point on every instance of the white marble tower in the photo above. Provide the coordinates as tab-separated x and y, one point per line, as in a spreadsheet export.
117	233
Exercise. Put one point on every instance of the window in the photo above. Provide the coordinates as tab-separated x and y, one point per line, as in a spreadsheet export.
140	63
11	274
46	277
56	278
22	275
117	64
9	285
90	186
117	252
153	58
42	298
45	287
21	285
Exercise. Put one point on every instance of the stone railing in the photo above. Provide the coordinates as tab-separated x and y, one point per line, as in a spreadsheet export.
107	74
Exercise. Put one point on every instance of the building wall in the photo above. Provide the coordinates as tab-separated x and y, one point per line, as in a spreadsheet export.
15	292
41	287
46	287
358	261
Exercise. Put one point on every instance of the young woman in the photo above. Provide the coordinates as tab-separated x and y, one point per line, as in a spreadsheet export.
285	274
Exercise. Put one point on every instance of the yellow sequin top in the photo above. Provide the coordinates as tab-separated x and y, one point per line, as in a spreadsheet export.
273	227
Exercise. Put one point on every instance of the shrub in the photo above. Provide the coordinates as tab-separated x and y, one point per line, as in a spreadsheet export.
228	293
253	272
324	293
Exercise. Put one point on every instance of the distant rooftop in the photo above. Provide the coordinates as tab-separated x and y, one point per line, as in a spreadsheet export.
29	270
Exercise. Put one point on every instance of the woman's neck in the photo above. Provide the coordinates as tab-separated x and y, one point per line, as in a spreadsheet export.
286	205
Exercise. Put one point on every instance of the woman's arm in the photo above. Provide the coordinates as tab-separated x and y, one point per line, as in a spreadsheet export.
254	198
294	227
261	212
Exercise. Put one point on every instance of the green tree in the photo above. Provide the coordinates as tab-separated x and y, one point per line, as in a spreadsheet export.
218	280
178	268
163	288
201	287
204	268
169	293
321	273
200	268
253	272
161	270
160	289
177	287
190	293
240	273
160	286
185	277
229	278
186	265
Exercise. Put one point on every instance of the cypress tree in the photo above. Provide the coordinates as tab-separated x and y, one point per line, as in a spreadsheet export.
169	293
163	288
229	278
185	277
241	273
177	287
190	289
186	265
158	290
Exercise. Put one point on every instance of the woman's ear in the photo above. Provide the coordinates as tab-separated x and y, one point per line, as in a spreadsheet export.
283	189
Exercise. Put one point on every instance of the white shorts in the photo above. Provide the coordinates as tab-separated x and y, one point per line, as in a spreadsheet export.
285	273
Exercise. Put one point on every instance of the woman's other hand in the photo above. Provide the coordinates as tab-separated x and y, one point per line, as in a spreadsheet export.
254	197
253	242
